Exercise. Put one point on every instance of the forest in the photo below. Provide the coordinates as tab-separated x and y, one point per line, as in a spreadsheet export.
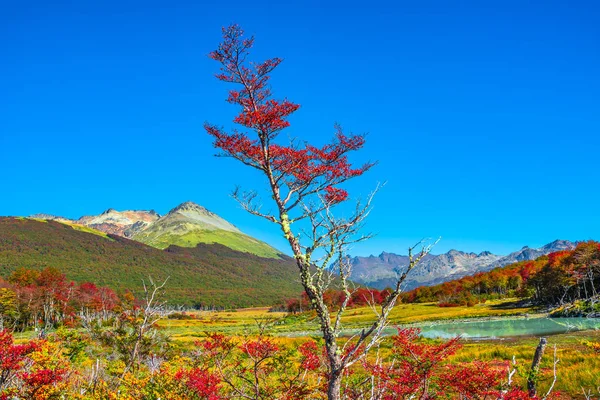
558	279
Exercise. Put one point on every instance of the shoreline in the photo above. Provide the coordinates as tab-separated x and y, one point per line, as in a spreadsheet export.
427	324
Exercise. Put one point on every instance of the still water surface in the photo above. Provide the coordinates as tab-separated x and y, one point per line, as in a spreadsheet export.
491	329
508	327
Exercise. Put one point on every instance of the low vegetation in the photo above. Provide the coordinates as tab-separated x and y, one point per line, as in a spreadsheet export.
84	341
95	359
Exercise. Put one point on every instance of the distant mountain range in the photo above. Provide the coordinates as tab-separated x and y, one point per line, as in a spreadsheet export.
190	224
381	271
186	225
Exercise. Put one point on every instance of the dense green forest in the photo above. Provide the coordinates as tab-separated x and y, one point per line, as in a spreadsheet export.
207	275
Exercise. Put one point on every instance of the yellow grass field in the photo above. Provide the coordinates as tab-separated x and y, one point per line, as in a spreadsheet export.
579	366
248	320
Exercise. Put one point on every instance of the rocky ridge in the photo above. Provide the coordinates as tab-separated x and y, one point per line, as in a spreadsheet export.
381	271
186	225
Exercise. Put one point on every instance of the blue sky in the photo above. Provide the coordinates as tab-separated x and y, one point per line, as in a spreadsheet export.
484	116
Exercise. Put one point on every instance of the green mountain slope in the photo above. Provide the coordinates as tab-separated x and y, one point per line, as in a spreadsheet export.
190	224
209	274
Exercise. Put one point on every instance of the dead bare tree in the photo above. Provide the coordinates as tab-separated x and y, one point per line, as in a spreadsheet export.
588	393
533	374
554	374
535	366
138	325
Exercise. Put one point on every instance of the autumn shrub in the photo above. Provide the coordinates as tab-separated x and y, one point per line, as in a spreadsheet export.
226	367
253	367
447	304
180	316
34	370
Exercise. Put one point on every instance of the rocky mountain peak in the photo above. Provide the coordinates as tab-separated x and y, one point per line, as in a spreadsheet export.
186	225
188	217
190	207
559	245
122	223
43	216
52	218
380	272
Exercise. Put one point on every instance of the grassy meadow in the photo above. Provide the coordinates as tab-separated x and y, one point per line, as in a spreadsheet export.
579	366
248	320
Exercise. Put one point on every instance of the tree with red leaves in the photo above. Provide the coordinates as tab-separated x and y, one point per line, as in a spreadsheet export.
420	370
12	357
304	181
23	375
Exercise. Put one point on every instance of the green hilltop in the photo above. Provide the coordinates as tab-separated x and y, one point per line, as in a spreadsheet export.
191	238
190	224
206	274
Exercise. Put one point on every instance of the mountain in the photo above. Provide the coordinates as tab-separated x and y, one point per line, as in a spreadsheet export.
381	271
189	224
53	218
122	223
186	225
527	253
207	274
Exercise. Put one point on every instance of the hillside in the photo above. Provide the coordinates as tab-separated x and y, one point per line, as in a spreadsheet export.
380	271
209	274
189	224
186	225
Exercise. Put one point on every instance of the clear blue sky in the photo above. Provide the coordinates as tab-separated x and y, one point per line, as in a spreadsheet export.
484	116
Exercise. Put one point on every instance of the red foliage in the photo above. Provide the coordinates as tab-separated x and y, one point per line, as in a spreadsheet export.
474	380
446	304
48	295
19	373
310	359
260	348
554	259
420	370
12	356
527	270
519	394
202	383
335	195
334	298
297	167
35	381
215	344
293	305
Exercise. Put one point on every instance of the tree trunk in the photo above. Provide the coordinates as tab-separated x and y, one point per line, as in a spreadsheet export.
535	366
334	387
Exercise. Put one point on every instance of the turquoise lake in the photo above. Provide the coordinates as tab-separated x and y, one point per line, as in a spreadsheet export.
508	327
491	329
